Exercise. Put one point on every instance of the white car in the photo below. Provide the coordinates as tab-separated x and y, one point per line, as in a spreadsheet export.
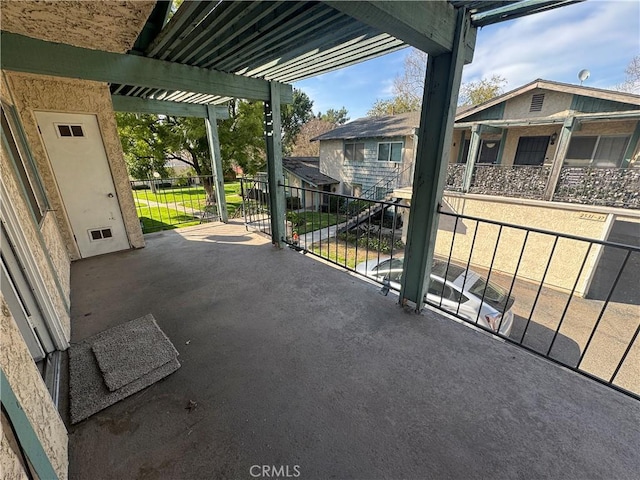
464	292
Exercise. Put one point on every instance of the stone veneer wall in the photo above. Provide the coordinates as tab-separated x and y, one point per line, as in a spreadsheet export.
37	92
27	384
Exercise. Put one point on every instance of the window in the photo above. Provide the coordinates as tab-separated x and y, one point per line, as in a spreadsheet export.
536	102
531	150
354	152
390	152
13	136
70	130
596	151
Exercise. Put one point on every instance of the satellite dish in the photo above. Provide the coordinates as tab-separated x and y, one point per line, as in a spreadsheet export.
583	75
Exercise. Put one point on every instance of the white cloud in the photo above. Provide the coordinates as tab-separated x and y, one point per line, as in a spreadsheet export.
600	36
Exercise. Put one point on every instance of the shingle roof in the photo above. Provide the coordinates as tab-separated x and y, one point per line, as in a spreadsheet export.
399	125
308	169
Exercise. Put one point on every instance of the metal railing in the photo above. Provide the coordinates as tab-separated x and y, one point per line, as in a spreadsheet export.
559	299
597	337
613	187
167	203
255	204
381	189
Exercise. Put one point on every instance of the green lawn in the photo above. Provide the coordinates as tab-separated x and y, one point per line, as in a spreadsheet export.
305	222
155	218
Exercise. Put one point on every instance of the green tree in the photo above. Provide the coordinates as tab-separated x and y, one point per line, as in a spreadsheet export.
335	117
409	86
242	140
480	91
293	116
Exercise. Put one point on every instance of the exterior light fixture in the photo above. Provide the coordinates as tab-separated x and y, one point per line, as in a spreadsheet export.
553	138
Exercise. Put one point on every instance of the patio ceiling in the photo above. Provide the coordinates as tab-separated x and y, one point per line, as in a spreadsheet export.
292	41
210	51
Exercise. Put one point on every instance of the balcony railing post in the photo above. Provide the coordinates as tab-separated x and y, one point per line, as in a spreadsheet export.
274	165
216	162
558	159
442	83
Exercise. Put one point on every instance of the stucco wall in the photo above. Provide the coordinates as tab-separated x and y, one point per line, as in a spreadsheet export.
31	392
554	104
513	137
582	221
45	242
624	127
36	92
10	467
111	25
331	160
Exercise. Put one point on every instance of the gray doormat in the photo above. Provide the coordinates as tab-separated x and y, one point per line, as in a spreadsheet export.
88	392
132	350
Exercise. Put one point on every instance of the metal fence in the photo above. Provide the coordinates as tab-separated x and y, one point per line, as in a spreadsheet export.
539	276
164	204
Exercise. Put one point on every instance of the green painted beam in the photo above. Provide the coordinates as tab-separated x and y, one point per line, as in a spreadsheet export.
564	139
275	173
24	54
633	145
442	84
503	142
123	103
516	10
428	26
27	436
216	161
153	26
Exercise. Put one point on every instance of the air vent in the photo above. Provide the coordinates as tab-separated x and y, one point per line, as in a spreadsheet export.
70	130
100	234
536	102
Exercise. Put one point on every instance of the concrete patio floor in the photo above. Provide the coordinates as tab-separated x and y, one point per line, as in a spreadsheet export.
295	363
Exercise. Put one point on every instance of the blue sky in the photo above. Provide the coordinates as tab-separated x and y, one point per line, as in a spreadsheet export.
599	35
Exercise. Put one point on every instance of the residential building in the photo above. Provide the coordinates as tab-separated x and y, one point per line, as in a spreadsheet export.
304	173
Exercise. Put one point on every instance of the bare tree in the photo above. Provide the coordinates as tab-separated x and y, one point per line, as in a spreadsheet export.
408	88
303	146
631	82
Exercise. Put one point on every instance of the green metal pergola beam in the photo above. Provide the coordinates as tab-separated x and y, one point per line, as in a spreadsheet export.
515	10
428	26
122	103
24	54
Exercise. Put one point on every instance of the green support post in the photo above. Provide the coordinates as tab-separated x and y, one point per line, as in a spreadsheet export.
503	142
216	162
442	84
274	165
474	149
568	127
633	145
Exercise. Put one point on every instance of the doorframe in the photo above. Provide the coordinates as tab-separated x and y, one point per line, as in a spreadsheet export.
32	272
63	203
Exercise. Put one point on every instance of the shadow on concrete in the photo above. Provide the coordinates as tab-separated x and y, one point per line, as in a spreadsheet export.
539	338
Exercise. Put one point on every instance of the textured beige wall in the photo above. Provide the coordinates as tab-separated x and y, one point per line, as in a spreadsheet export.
583	221
55	279
10	467
331	160
31	392
514	134
624	127
36	92
554	104
105	25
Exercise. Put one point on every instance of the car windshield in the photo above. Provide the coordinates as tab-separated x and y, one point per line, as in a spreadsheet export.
491	292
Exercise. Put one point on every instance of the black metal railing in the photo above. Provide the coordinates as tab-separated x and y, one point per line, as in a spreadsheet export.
544	274
613	187
167	203
255	204
569	299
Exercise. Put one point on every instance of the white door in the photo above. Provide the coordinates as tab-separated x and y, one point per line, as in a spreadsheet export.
75	149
